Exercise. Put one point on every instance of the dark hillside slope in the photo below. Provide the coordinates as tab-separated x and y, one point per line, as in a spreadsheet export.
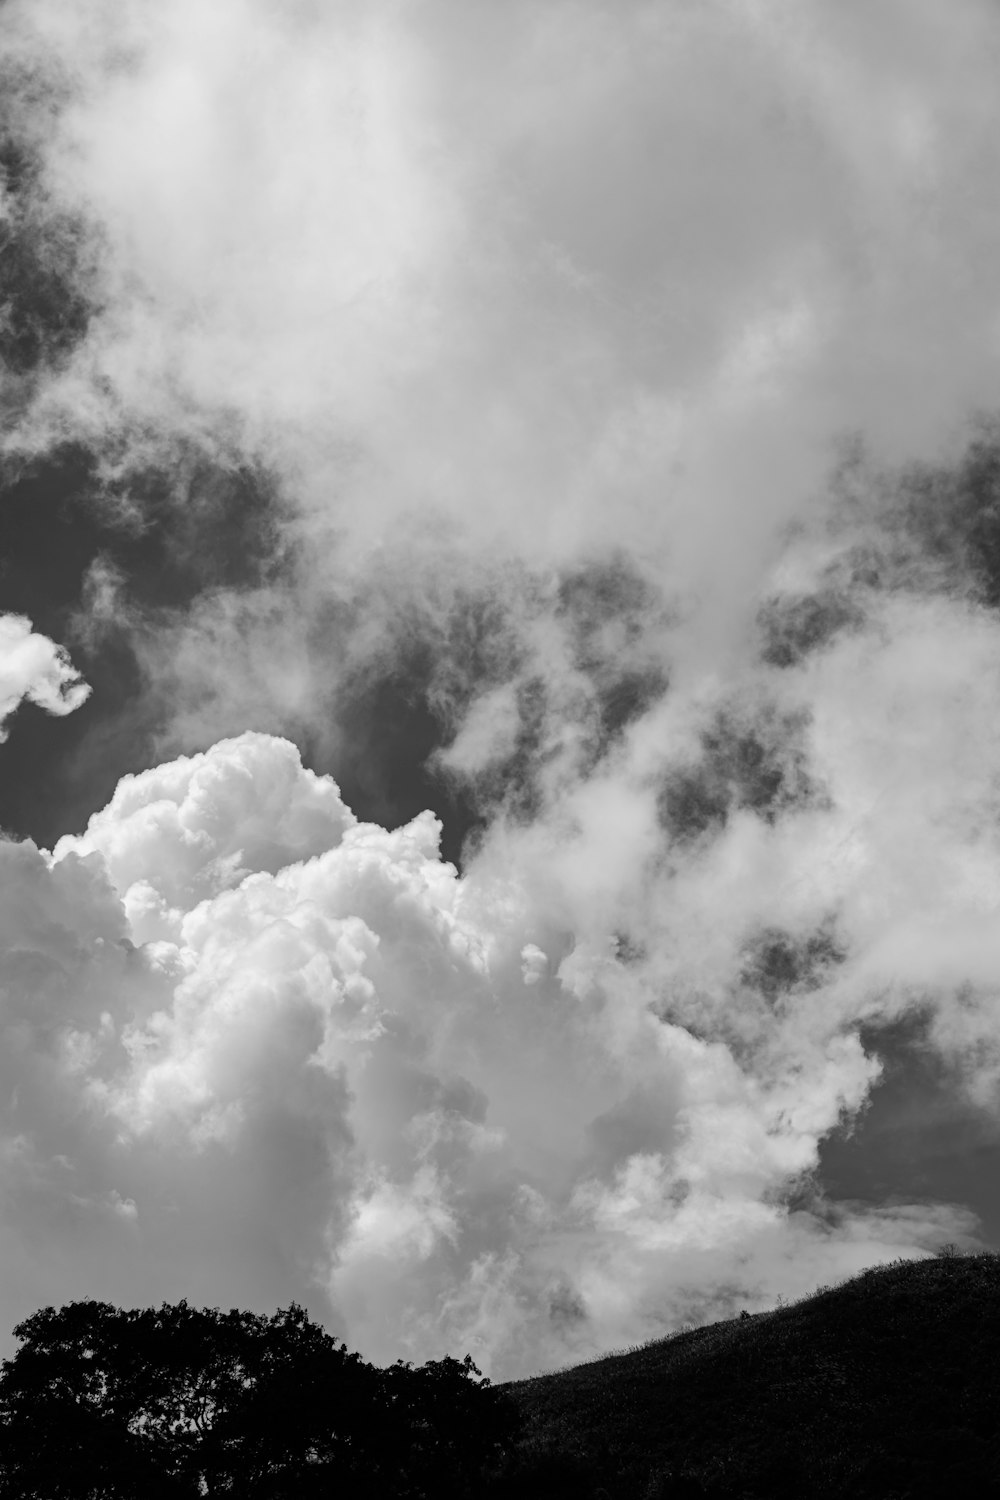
886	1386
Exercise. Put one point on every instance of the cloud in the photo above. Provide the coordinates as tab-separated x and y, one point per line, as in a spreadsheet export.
326	1051
375	249
551	335
487	318
34	668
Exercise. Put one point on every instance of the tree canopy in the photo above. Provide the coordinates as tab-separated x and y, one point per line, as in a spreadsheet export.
105	1403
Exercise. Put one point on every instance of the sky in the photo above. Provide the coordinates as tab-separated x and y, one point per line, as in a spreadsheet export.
499	658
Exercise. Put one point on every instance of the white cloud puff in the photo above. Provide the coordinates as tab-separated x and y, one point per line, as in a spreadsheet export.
34	668
181	832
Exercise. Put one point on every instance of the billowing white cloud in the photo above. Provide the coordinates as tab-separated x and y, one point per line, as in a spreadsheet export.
34	668
387	1089
173	836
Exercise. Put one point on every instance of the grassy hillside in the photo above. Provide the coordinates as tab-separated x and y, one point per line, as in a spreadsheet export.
886	1386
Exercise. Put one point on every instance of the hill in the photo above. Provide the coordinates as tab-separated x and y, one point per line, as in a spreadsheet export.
886	1386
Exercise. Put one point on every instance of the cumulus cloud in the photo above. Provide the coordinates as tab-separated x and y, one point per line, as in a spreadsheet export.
246	1025
552	328
35	669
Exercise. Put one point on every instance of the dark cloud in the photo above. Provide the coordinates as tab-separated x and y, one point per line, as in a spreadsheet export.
190	525
917	1138
566	1306
643	1123
953	512
48	289
777	963
623	698
613	617
398	709
606	606
793	626
160	532
920	528
758	763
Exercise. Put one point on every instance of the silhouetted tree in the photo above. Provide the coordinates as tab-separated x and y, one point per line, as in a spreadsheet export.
175	1402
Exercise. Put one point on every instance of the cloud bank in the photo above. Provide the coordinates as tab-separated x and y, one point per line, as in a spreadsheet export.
618	376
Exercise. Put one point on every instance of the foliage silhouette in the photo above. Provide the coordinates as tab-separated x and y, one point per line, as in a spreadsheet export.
174	1402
